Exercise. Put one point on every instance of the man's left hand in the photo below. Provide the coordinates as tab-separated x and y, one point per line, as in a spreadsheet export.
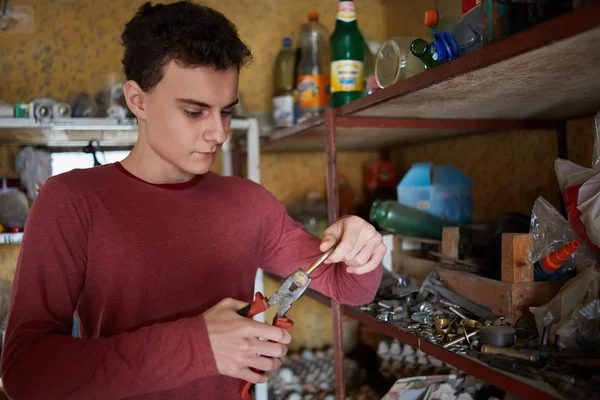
360	246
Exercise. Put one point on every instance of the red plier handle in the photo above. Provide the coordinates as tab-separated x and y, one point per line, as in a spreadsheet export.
259	305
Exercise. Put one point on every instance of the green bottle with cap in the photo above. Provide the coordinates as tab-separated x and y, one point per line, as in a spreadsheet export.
347	47
404	220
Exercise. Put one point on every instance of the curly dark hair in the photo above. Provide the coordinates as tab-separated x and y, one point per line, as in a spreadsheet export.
185	32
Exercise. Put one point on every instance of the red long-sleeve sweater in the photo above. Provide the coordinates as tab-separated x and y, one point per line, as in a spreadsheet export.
138	263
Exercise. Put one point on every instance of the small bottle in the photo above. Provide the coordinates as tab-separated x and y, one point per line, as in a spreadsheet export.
550	264
444	48
283	86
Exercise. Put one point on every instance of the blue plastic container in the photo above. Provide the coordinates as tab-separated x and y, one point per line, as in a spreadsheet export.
440	190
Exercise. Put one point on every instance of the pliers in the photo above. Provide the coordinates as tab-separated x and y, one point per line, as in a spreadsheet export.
292	288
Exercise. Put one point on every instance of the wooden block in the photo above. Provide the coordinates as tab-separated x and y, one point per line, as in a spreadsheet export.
450	240
515	266
532	294
505	299
488	292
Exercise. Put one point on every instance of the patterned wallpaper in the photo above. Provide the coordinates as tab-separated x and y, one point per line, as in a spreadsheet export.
75	43
509	170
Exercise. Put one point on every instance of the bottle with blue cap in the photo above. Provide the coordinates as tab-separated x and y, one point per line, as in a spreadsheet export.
442	49
284	85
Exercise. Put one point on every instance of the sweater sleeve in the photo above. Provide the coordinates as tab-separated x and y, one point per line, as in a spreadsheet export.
289	246
40	357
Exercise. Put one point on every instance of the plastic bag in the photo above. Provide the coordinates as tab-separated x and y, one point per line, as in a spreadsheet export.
550	231
580	187
574	314
34	168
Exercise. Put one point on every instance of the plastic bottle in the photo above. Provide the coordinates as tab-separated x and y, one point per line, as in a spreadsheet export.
398	218
550	264
468	32
313	70
444	17
283	85
347	57
440	21
444	48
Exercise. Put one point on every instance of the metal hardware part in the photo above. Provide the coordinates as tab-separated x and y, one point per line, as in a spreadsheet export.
442	325
460	339
320	260
489	349
498	335
471	323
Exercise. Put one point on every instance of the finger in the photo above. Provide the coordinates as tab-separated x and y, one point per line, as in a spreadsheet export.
344	247
253	377
233	303
365	236
264	363
330	237
373	263
269	349
269	332
327	242
365	253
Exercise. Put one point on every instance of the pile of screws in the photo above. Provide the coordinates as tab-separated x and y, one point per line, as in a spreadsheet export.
433	313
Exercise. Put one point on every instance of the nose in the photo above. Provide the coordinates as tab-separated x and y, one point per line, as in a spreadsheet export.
217	132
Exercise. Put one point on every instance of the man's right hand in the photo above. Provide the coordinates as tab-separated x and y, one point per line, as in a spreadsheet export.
236	345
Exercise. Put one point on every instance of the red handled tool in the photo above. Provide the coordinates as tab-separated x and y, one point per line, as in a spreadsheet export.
290	290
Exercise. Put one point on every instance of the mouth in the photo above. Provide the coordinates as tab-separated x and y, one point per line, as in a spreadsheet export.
205	153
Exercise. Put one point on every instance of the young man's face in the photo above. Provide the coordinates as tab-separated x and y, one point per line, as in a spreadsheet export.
188	115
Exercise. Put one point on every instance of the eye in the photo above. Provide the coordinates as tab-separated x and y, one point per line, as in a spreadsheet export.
226	113
193	114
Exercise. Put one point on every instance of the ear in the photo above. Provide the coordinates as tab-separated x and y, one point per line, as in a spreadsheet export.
135	98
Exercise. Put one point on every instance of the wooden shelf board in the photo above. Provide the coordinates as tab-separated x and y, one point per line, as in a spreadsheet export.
363	138
549	72
524	388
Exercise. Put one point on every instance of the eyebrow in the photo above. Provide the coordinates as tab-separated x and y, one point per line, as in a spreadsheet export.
203	104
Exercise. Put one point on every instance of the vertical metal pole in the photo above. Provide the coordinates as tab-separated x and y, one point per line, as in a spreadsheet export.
333	211
253	167
226	164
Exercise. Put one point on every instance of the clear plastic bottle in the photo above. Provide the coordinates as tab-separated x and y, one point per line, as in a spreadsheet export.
444	17
283	85
313	70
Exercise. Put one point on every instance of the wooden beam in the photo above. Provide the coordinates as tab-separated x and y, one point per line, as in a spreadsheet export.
515	266
450	240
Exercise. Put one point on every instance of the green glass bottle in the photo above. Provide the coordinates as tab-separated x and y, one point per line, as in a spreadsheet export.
347	57
425	52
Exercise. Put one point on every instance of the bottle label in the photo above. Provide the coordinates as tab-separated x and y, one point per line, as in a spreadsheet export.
346	11
347	76
312	91
283	110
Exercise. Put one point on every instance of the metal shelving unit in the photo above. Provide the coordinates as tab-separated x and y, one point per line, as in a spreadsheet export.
534	80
